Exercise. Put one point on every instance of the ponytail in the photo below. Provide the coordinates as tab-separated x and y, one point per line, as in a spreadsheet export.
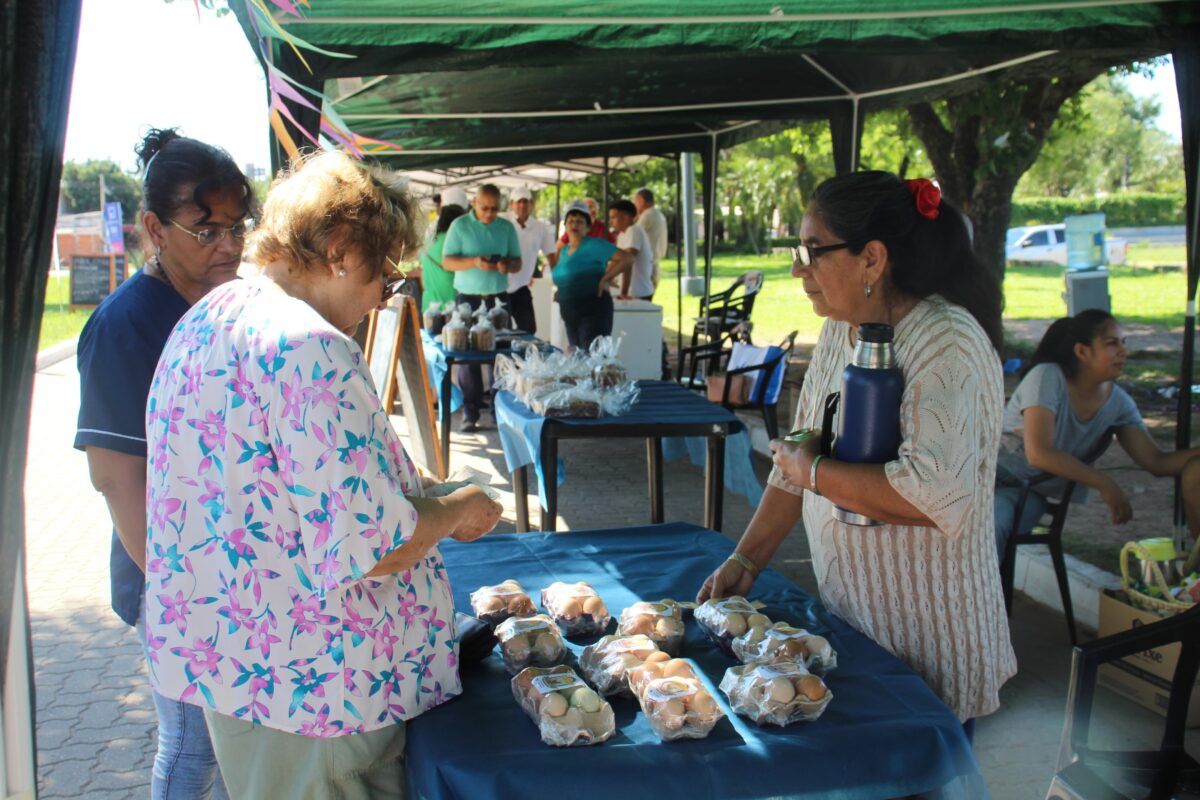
1058	344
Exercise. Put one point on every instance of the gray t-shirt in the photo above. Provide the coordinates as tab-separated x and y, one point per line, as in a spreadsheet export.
1046	387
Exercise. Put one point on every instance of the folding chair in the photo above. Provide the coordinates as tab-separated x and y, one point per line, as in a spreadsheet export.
726	310
768	365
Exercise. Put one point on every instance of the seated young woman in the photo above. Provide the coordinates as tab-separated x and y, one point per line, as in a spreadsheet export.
1066	403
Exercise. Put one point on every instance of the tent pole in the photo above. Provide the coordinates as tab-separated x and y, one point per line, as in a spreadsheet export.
679	266
604	192
710	218
1186	57
557	200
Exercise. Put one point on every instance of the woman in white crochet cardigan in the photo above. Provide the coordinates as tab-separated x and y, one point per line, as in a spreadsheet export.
924	585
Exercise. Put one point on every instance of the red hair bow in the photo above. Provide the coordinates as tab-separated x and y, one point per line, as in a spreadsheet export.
926	195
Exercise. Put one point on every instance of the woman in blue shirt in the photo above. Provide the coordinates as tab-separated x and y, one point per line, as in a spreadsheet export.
586	268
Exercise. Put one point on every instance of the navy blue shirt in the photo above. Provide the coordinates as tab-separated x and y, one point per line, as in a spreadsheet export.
117	355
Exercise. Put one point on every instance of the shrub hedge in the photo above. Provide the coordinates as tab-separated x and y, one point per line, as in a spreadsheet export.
1124	210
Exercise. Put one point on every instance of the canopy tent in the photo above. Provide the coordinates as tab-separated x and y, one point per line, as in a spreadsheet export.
485	83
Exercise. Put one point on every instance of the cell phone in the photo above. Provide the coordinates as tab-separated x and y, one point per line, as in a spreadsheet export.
493	259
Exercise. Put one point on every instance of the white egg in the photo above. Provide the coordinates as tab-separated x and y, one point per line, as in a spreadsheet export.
517	649
818	646
546	647
586	699
667	627
672	713
780	690
554	705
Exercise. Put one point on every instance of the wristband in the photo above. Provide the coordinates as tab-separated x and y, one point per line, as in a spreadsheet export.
812	475
745	564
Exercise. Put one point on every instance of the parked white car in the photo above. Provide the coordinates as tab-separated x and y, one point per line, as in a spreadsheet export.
1047	244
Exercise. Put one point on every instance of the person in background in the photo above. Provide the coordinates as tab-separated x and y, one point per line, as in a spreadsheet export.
536	236
482	249
587	267
295	589
438	282
654	223
196	207
598	230
924	584
638	282
1066	404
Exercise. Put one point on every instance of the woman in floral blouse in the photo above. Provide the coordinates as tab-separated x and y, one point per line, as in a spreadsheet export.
295	590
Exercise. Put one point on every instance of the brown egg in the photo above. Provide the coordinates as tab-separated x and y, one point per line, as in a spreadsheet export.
643	624
758	620
792	648
491	605
570	609
735	624
546	647
667	627
520	604
811	687
672	713
818	646
554	705
677	668
594	607
657	656
780	689
703	703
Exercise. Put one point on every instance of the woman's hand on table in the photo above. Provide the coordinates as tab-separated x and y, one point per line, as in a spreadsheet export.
478	513
729	578
794	458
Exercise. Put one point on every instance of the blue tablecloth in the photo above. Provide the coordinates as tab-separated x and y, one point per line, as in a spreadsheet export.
885	734
659	403
435	362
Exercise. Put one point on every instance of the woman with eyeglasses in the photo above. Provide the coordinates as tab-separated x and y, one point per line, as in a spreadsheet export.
196	208
295	589
924	585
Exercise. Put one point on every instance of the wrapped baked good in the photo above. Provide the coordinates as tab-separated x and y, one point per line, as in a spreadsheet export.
724	619
529	641
499	317
455	335
763	642
674	699
494	604
580	402
576	607
608	375
619	399
566	710
434	319
606	368
662	621
483	335
607	662
776	692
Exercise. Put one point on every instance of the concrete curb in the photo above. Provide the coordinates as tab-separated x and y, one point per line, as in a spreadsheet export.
1034	574
56	353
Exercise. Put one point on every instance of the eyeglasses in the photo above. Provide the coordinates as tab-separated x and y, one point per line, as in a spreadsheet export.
806	254
392	286
208	237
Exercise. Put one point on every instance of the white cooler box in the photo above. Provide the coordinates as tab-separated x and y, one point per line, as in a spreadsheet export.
639	324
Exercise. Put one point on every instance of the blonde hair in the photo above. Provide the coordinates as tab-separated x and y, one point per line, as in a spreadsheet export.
328	194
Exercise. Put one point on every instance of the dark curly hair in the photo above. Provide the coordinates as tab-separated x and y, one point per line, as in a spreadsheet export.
170	162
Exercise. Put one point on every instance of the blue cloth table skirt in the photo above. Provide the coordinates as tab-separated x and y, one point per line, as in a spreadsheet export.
885	734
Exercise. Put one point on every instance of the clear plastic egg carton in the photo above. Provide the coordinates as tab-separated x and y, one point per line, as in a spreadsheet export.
566	710
762	643
776	692
727	618
675	701
494	604
577	608
662	621
607	662
529	641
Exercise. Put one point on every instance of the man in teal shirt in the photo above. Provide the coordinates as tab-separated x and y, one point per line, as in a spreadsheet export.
481	249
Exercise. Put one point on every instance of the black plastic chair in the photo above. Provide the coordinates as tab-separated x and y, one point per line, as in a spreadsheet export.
725	310
767	369
1050	535
1085	773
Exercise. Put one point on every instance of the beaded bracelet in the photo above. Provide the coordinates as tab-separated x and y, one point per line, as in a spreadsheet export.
745	563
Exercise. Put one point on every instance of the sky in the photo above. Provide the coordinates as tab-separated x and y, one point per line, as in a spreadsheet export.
157	63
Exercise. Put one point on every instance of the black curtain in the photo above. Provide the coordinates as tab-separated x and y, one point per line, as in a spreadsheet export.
1187	80
37	59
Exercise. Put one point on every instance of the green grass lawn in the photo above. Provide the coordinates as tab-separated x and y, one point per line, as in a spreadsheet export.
1139	295
59	323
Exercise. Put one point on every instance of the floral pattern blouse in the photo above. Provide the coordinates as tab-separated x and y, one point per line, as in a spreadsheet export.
275	483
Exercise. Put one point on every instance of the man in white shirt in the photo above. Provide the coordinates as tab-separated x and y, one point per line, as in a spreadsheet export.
638	282
536	236
654	223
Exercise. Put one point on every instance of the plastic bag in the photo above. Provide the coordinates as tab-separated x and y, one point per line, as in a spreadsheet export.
619	399
675	701
763	642
576	607
499	317
455	335
571	401
494	604
776	692
661	621
483	335
607	370
566	710
434	319
529	641
724	619
607	662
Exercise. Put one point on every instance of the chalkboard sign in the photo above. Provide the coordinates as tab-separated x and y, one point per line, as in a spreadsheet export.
382	339
95	277
416	396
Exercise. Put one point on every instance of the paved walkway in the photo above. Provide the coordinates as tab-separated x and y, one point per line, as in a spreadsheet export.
95	719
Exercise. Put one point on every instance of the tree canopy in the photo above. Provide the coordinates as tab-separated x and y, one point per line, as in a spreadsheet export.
81	187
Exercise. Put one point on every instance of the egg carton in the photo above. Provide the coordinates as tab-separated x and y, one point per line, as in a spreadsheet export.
566	710
727	618
529	641
662	621
577	608
494	604
607	662
776	692
674	699
762	643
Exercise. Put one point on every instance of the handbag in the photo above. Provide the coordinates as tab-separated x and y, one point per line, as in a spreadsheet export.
739	389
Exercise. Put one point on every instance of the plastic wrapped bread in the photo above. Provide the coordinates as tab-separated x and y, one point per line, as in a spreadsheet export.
499	317
674	699
566	710
455	334
662	621
776	692
607	662
494	604
727	618
576	607
761	643
576	401
529	641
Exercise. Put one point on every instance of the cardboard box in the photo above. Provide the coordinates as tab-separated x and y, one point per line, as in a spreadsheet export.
1145	677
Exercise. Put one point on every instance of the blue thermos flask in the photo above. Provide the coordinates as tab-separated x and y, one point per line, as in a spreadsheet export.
868	426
